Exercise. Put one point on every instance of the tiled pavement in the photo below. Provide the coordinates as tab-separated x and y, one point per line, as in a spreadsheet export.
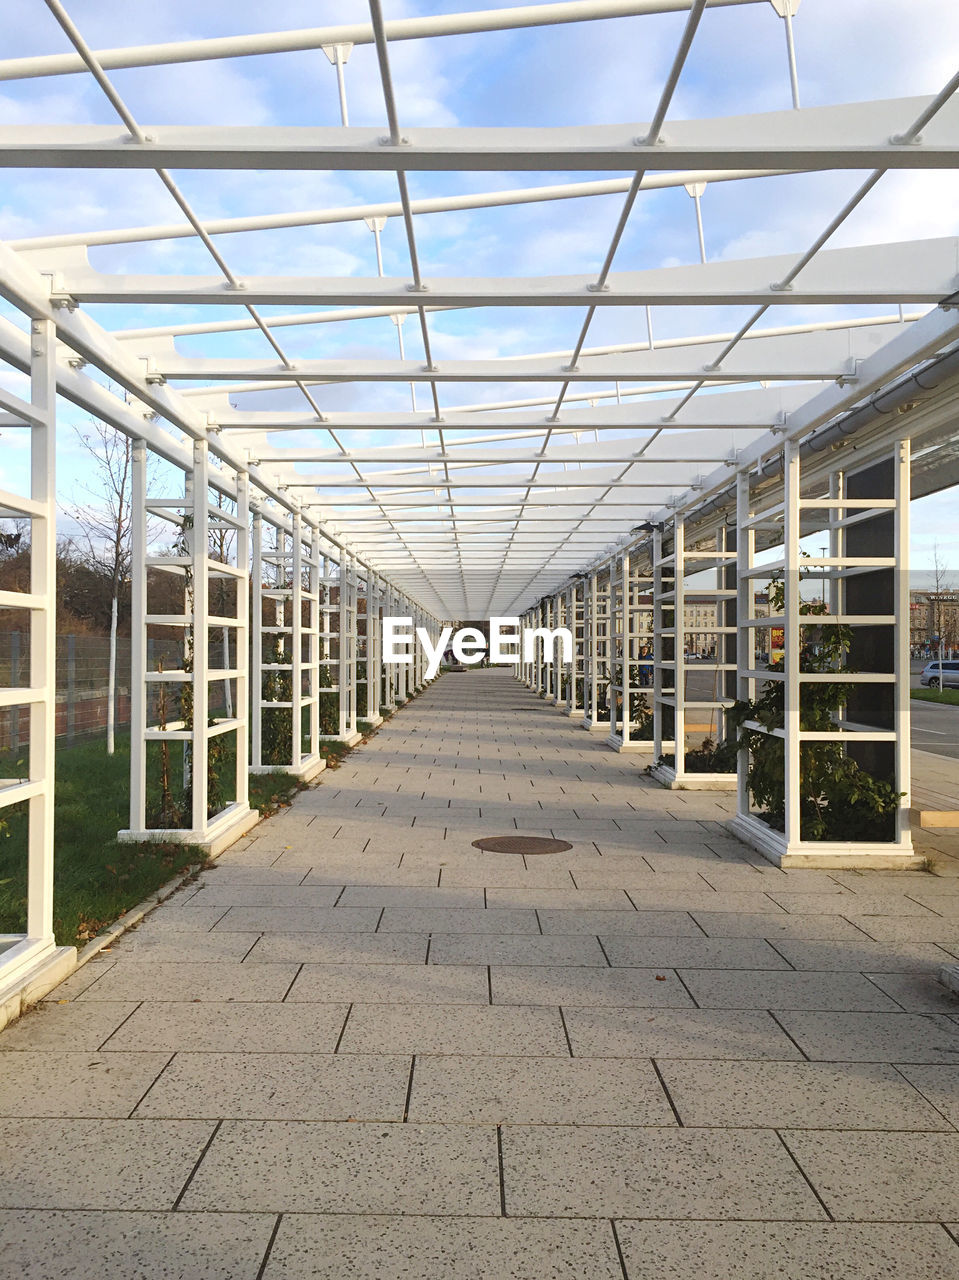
362	1048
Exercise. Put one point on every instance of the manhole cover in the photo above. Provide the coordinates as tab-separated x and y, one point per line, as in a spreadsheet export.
520	844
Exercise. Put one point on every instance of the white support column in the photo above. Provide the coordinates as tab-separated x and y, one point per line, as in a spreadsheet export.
138	638
628	734
197	535
374	648
314	642
745	631
862	512
242	640
43	641
256	644
549	668
664	644
296	643
901	665
792	642
577	684
32	960
591	691
191	731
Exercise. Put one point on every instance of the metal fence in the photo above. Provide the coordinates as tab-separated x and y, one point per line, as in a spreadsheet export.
83	670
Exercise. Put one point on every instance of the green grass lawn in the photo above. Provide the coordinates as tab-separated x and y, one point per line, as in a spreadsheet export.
947	696
95	878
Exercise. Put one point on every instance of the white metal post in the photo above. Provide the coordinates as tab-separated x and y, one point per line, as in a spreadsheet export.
296	643
679	649
792	643
256	643
901	667
198	539
138	637
43	644
626	682
745	631
241	712
592	712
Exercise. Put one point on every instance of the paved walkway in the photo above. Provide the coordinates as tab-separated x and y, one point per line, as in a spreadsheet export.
362	1048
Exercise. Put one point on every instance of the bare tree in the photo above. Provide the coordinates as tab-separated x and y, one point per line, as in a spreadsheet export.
105	524
943	617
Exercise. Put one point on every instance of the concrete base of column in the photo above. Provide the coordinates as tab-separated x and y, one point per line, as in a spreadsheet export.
596	726
25	986
225	829
665	775
305	771
835	855
351	739
635	746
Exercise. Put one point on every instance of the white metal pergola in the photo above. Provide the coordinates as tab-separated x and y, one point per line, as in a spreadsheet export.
743	405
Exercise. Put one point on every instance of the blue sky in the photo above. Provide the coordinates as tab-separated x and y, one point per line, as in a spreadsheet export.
584	73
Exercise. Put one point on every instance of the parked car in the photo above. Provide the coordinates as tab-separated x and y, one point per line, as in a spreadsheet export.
946	678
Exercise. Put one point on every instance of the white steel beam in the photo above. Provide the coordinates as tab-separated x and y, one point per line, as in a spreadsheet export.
905	272
860	135
740	408
808	357
268	42
382	209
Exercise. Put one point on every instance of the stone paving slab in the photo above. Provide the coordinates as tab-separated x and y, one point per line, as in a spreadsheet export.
423	1248
589	987
71	1026
874	1037
299	919
222	893
677	1033
797	1095
794	1251
843	992
455	1029
538	1091
774	925
76	1085
917	992
457	920
610	1171
883	1177
37	1245
98	1164
277	1086
164	980
392	984
863	955
695	953
348	1168
664	924
164	945
338	948
175	1026
518	949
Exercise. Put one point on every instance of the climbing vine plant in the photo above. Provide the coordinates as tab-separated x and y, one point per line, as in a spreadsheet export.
839	799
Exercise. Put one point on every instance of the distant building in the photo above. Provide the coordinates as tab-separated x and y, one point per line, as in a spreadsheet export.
933	616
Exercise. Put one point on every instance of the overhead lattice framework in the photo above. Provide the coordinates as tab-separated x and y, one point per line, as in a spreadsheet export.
508	427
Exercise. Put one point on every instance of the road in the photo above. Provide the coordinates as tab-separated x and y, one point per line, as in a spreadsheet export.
935	726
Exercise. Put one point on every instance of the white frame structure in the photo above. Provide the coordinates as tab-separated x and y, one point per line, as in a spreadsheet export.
523	498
